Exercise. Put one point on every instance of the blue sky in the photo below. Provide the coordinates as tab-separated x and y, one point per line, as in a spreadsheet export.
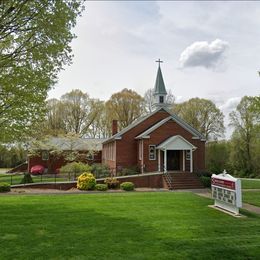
210	50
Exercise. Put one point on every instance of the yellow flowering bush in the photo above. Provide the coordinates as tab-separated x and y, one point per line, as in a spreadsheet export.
86	181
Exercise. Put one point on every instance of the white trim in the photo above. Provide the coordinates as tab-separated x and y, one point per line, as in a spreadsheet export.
152	145
178	120
142	161
191	161
159	160
165	161
183	160
171	139
154	127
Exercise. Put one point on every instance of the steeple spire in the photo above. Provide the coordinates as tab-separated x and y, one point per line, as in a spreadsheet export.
159	91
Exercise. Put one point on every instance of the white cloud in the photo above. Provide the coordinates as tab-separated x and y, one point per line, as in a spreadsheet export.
230	104
204	54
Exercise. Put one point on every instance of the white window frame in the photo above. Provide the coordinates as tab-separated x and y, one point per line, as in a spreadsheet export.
152	146
45	155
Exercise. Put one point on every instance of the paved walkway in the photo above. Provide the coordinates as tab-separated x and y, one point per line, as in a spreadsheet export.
207	193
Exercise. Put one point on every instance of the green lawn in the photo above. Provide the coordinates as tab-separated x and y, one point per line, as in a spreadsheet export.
250	184
252	197
166	225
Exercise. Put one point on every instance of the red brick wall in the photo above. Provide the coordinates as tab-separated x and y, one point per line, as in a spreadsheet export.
164	132
151	181
126	148
58	162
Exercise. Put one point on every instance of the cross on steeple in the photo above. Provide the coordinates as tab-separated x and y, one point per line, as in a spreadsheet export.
159	61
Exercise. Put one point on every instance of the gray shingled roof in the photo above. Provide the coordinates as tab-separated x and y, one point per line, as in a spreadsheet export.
77	144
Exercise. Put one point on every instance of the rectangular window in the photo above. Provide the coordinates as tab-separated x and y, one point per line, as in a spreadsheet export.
90	156
45	155
188	155
161	99
152	152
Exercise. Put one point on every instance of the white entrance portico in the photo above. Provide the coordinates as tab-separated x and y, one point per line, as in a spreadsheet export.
172	149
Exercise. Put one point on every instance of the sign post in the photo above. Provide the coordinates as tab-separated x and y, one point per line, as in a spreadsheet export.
226	190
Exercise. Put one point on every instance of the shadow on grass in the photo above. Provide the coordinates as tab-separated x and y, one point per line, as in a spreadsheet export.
110	227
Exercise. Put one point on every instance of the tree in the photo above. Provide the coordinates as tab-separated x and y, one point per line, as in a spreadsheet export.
203	115
55	122
217	156
245	137
79	112
125	106
149	99
34	47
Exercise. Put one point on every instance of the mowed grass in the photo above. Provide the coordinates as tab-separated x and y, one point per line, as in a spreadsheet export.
251	197
152	225
250	184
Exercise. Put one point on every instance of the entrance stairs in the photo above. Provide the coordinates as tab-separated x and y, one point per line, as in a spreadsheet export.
182	180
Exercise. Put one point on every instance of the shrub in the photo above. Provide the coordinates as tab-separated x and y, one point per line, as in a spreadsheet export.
127	186
75	167
101	187
27	178
206	181
86	181
112	183
4	187
100	170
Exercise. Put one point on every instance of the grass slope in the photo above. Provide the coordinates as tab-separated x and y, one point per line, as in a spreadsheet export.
250	184
123	226
251	197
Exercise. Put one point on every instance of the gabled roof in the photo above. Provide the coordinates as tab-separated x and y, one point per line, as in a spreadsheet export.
75	144
176	142
159	87
135	123
146	133
172	116
178	120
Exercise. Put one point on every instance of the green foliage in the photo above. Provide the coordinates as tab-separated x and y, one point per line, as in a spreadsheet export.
206	181
75	167
245	148
127	186
125	106
11	155
35	45
86	181
100	170
101	187
27	178
203	115
129	171
217	156
111	182
4	187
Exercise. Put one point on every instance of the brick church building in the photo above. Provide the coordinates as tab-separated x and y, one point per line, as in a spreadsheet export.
157	142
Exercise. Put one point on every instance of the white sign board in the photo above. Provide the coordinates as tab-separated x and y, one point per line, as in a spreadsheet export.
226	191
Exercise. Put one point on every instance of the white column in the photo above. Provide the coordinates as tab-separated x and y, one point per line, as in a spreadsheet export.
191	161
165	161
159	160
142	154
183	160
